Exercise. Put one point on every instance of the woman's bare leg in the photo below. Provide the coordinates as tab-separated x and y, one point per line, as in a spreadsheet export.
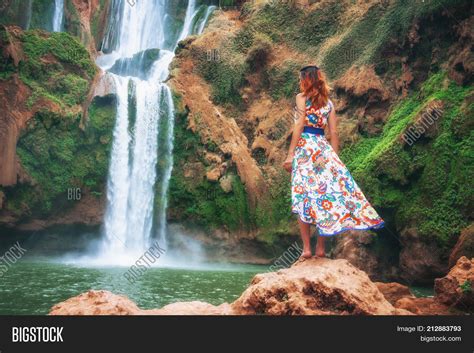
305	236
320	247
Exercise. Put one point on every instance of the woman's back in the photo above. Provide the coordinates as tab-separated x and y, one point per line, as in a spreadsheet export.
317	117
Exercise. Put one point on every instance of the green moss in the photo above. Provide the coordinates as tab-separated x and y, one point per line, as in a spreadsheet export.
428	184
366	38
225	71
284	23
200	201
58	155
273	213
283	80
57	67
466	287
7	67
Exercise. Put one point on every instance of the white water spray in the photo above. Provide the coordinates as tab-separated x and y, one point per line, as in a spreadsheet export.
143	101
58	15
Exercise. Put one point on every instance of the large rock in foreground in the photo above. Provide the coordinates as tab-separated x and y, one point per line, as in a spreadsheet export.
312	287
315	287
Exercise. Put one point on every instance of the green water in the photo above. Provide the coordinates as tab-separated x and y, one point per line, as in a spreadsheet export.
34	287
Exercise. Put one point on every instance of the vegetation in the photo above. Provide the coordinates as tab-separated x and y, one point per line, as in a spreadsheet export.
466	287
195	199
59	155
428	183
59	149
365	40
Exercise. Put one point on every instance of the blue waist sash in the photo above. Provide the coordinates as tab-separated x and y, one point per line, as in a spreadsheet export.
313	130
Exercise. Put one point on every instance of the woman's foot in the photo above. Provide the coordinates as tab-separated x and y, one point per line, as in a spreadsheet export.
320	250
320	253
306	254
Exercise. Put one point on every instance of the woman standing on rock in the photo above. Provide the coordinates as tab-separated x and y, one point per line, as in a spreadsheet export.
323	191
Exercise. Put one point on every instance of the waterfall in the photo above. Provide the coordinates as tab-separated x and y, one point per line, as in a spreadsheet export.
144	104
203	22
58	15
188	21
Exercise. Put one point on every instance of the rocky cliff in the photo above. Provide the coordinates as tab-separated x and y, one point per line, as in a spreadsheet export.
403	93
52	158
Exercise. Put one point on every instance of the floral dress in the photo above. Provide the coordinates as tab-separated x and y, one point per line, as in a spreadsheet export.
323	191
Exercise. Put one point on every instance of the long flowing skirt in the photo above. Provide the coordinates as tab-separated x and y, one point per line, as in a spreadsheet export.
324	193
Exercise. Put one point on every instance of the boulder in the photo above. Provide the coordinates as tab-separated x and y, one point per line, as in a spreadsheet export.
464	246
214	174
102	302
455	289
394	291
315	287
424	306
139	65
226	182
353	247
420	261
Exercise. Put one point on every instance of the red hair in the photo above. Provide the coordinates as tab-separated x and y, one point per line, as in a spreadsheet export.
313	86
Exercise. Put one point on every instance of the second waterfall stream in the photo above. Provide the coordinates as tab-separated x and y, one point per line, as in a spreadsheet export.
137	50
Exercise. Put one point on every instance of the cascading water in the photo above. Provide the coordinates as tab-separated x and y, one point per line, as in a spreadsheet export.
144	106
58	15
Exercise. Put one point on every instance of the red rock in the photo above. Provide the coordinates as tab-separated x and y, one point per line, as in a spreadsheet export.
455	289
464	246
315	287
424	306
394	291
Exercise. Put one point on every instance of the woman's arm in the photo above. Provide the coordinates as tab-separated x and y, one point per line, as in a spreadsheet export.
297	130
334	138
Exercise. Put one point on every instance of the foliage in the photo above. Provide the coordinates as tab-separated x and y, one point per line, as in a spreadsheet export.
427	184
201	201
466	287
58	156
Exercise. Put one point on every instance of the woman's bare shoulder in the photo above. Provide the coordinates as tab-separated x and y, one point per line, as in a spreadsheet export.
300	98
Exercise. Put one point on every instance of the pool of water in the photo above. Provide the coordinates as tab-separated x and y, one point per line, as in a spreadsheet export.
33	287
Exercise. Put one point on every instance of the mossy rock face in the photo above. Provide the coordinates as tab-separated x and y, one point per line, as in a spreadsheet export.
58	155
56	67
59	149
197	200
425	181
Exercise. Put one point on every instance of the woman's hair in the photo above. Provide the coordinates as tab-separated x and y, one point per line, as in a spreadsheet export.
313	86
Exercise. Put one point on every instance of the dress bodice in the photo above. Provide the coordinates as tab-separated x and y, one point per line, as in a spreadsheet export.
317	117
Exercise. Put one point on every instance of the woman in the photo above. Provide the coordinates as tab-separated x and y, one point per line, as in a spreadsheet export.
323	191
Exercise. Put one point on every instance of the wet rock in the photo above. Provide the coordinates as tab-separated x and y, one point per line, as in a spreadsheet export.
139	65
